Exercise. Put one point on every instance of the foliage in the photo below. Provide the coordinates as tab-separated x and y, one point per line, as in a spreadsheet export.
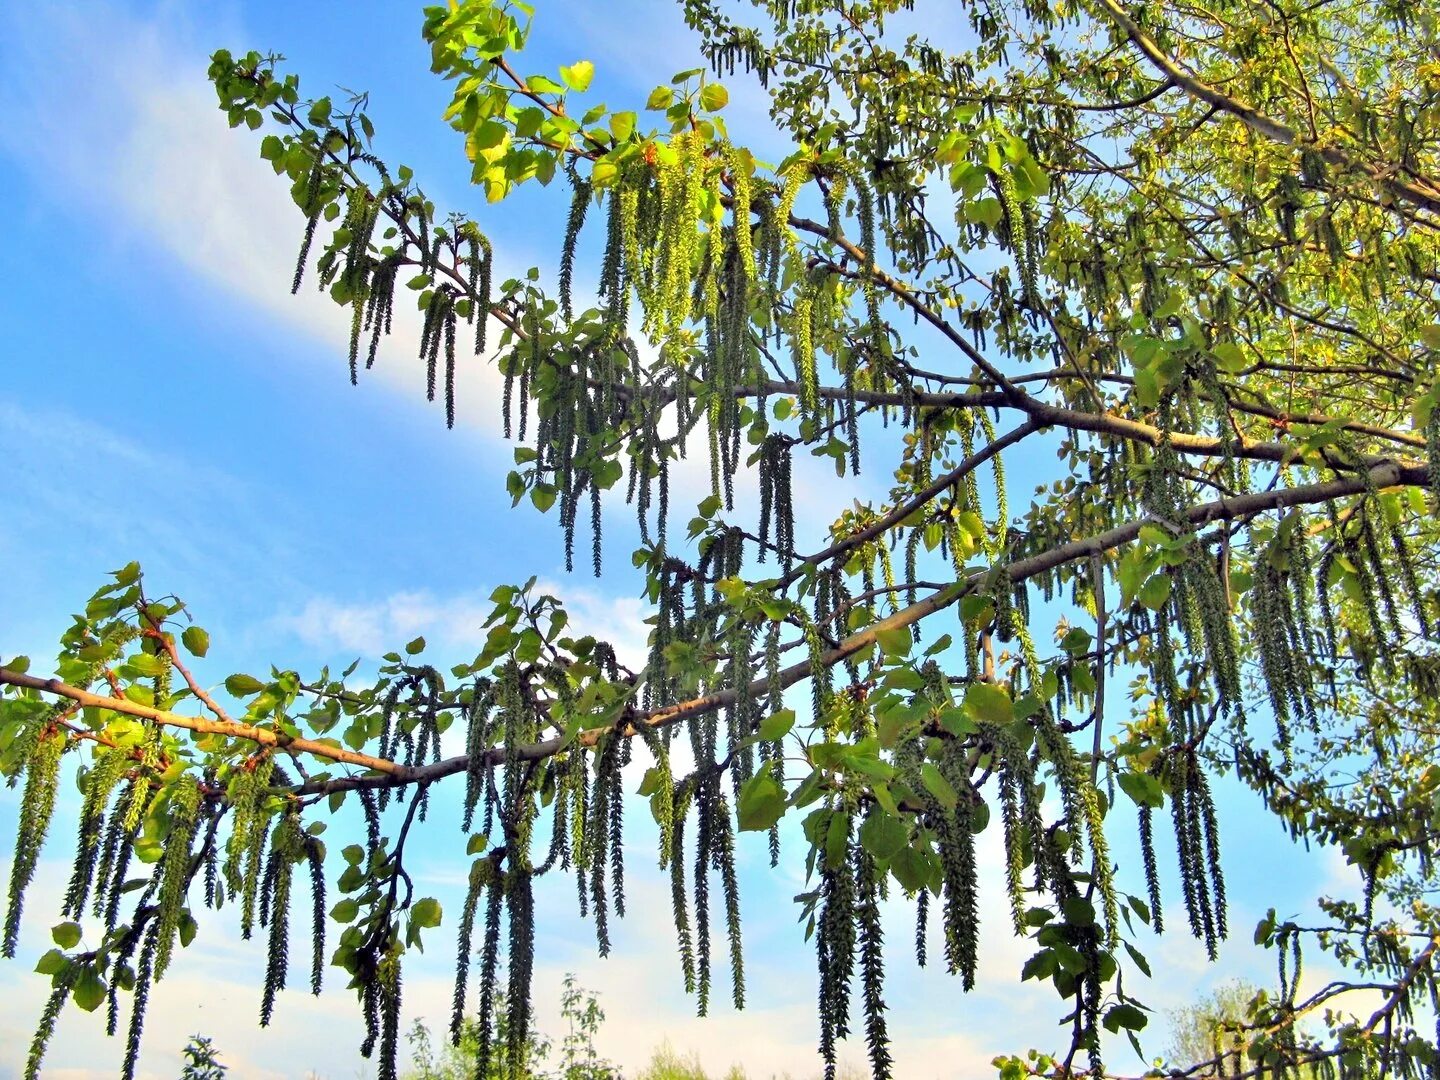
1190	251
202	1060
1194	1028
579	1057
666	1064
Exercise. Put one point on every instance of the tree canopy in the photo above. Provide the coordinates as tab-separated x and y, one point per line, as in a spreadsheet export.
1187	253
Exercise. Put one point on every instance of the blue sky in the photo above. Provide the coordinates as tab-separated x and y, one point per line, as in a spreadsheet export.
164	398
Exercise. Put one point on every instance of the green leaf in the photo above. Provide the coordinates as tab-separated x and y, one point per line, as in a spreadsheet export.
1228	357
659	98
196	640
1138	957
1125	1016
65	934
622	125
762	802
52	963
416	647
89	990
1143	789
936	783
345	911
243	685
1156	591
911	869
990	703
895	642
543	496
714	97
426	913
777	725
578	75
882	834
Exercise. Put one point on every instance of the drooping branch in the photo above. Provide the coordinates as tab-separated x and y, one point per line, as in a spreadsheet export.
393	774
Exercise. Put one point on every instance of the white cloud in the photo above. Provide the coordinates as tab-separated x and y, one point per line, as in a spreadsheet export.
140	142
454	625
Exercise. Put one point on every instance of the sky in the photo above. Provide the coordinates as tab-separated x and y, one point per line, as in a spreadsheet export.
164	398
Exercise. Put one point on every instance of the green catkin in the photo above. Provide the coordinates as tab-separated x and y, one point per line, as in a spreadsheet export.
1019	229
1409	578
739	172
286	844
482	264
450	326
114	866
315	859
679	907
99	782
709	284
1014	845
835	945
139	1006
389	977
489	967
579	203
1380	570
246	791
357	327
622	258
795	178
251	878
616	827
520	909
210	857
1211	829
872	962
662	801
599	840
962	910
175	870
312	209
730	889
803	352
1152	873
834	198
45	1028
922	925
37	805
1432	451
865	209
704	839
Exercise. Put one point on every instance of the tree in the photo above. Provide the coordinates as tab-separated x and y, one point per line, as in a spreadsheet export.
579	1057
1195	1028
202	1060
1190	251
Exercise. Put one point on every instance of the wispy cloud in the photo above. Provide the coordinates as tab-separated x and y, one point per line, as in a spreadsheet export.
177	179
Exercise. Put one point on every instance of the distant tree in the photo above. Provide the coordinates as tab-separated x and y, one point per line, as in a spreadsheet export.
202	1060
1199	1029
1181	259
579	1058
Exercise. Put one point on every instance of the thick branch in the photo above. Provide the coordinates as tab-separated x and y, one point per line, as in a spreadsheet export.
231	729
